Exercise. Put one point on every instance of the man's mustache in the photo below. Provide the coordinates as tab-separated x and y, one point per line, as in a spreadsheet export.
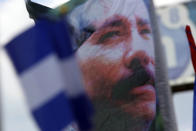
141	76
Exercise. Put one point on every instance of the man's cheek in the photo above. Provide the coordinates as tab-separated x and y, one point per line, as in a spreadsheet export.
113	55
100	70
98	78
149	48
88	51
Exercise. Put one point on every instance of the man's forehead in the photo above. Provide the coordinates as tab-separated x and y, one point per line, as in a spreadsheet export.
94	12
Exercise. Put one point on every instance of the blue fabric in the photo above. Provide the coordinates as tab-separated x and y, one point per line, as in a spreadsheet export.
33	46
61	38
37	43
82	111
55	114
30	47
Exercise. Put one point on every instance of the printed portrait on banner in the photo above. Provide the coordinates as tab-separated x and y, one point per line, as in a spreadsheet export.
115	49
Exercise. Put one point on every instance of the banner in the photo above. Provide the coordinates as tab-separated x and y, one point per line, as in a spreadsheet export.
115	47
172	22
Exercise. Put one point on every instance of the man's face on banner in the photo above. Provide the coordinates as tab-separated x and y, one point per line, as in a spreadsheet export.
117	57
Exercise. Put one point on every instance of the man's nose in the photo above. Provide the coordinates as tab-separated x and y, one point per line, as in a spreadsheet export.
137	60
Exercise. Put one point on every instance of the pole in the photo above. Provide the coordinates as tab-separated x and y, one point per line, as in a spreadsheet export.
161	81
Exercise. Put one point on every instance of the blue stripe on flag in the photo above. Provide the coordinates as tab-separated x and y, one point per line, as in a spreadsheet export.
38	42
55	115
83	110
62	40
29	48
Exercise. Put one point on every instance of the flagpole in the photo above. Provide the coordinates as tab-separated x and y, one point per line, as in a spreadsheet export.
161	81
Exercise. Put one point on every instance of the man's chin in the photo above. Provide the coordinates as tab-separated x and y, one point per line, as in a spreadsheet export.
143	104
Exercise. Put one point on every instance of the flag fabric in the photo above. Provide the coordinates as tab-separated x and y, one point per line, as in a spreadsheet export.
50	76
193	57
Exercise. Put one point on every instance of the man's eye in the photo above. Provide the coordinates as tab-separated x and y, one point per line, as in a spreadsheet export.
143	28
108	35
86	33
145	31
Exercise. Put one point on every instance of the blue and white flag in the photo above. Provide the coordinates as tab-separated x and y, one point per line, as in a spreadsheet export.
50	76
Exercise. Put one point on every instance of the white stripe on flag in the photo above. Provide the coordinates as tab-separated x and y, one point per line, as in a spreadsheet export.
43	81
74	81
46	79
